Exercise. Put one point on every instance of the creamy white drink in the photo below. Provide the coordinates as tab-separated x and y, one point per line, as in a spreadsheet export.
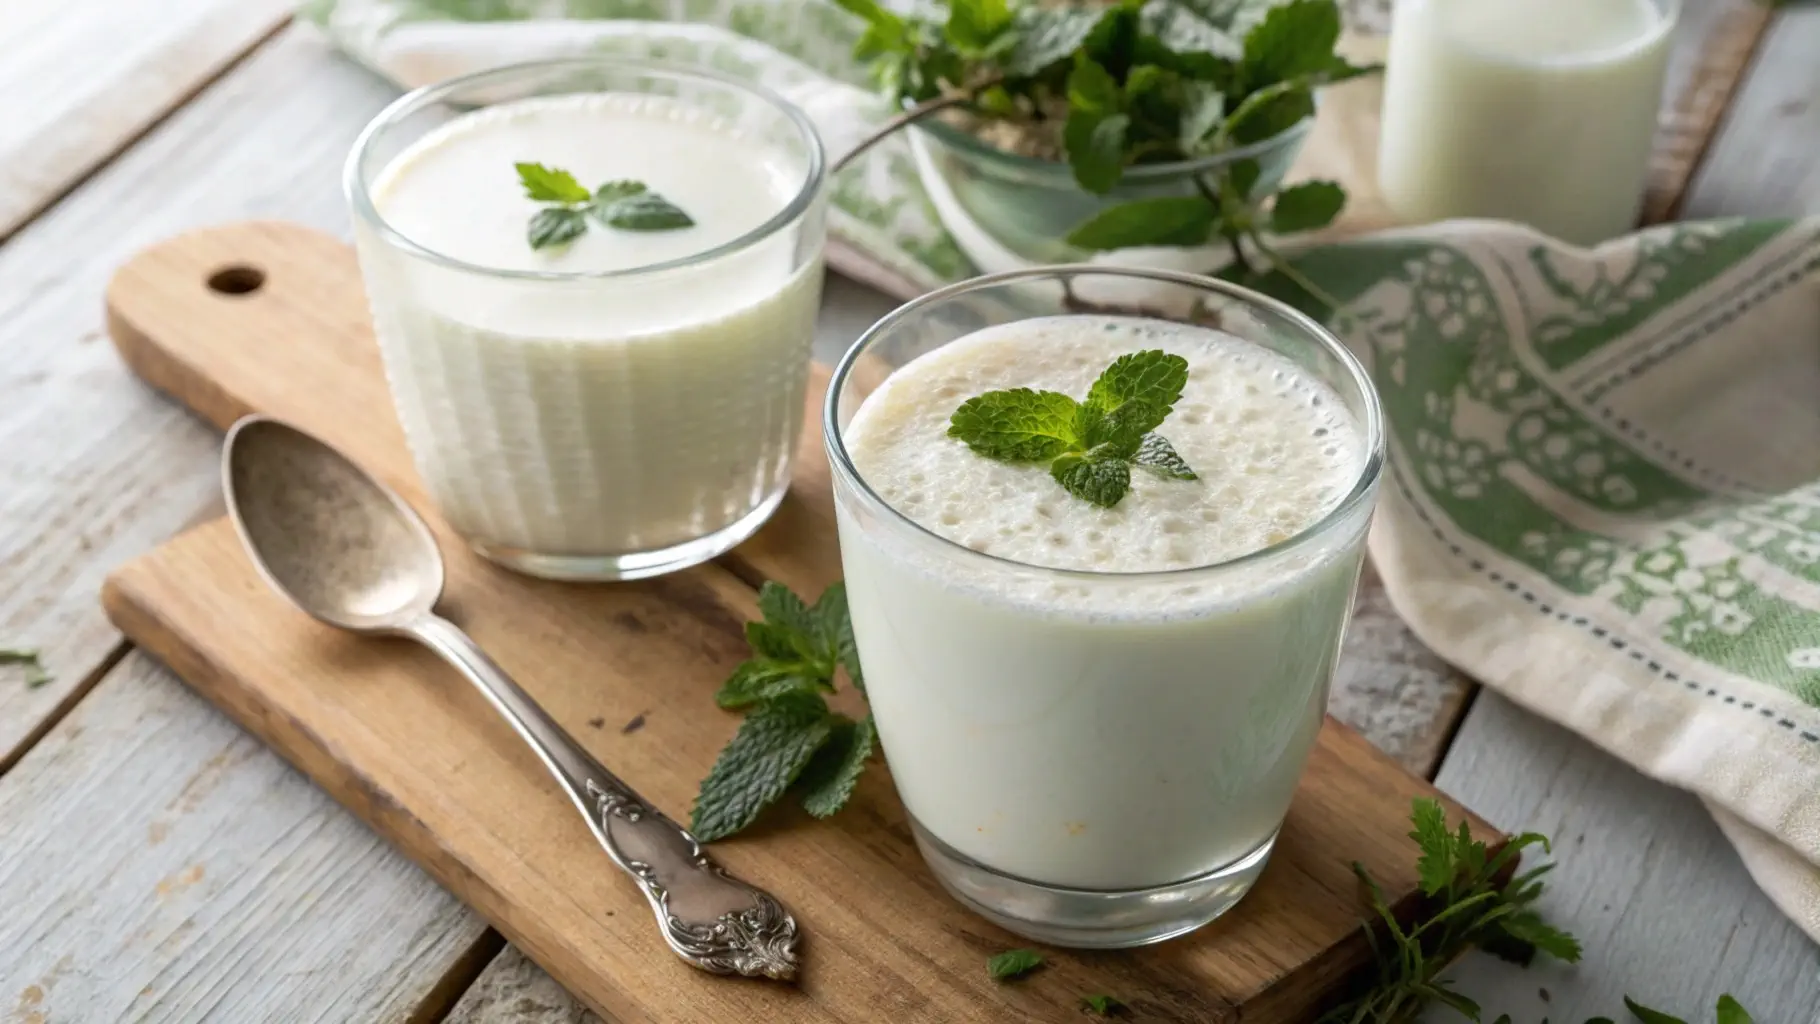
1132	720
597	408
1539	111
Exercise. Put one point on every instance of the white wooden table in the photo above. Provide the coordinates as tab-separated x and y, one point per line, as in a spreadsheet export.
159	864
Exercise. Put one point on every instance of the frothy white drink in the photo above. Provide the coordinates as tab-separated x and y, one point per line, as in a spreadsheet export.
594	415
1134	727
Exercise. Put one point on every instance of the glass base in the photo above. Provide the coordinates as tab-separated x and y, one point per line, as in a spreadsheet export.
635	565
1090	918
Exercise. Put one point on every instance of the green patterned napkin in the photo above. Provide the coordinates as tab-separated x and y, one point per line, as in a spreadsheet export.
1605	493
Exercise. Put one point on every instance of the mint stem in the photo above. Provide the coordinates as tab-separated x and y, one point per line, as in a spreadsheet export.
913	115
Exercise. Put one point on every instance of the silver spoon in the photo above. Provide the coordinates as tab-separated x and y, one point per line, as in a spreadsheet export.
351	553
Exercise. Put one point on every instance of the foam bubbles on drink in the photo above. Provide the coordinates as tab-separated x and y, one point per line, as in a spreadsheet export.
1275	449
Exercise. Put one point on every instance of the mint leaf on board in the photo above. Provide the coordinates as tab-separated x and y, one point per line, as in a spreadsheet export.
1013	963
760	680
1019	425
32	660
1729	1011
1102	1005
555	226
1306	207
835	628
828	782
772	747
782	608
1152	376
549	185
1649	1016
1435	867
1527	926
1158	456
1101	481
1166	220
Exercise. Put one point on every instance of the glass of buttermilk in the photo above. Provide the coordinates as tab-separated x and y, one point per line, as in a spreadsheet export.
1097	716
626	401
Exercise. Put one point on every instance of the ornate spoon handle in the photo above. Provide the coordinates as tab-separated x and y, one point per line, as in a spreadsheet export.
711	919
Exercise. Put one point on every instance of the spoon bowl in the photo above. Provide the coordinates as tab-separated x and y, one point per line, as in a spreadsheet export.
323	533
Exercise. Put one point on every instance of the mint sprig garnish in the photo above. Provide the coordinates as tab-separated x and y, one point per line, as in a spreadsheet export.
1090	445
626	205
790	739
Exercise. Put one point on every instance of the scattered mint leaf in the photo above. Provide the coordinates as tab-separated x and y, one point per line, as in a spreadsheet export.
1013	963
554	226
1018	425
771	748
835	627
35	673
1166	220
1435	867
549	185
1102	481
643	211
1527	926
829	780
1306	207
1729	1011
1158	456
783	609
1649	1016
1294	39
1153	376
1104	1006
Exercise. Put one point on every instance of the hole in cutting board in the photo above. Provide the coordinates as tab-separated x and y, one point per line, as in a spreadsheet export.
239	279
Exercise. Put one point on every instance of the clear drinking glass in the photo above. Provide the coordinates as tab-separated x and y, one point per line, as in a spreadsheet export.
1089	758
604	425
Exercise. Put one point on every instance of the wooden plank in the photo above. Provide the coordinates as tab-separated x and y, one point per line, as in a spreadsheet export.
96	470
1667	912
431	768
83	78
1765	163
163	865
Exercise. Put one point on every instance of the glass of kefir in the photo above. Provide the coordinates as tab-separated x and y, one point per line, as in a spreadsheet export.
1097	716
627	399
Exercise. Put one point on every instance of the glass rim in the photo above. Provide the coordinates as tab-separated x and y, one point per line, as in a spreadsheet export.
1369	474
970	144
1664	27
360	198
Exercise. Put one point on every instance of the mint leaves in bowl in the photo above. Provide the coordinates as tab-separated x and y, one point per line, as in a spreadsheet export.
1069	129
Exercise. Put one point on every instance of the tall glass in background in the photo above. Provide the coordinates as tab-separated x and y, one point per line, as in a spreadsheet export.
600	425
1092	758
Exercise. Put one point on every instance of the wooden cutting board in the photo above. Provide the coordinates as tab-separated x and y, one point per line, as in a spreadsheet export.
270	317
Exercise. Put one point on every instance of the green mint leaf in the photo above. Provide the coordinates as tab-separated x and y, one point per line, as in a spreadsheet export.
1104	1006
780	643
1527	926
1019	425
773	745
1193	26
1158	456
829	780
1436	867
1046	36
974	25
1094	135
620	189
642	211
836	628
550	185
555	226
35	673
1306	207
875	15
1272	118
1013	963
781	607
1730	1011
1101	481
1293	39
1244	177
1152	376
1166	220
763	679
1649	1016
1203	108
1120	433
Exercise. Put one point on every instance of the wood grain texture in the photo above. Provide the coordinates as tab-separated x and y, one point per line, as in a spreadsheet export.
1766	162
421	759
161	865
94	469
83	78
1646	881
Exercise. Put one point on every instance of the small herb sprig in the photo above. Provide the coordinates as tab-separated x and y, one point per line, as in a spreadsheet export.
1090	445
1012	964
626	205
1130	83
33	662
790	738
